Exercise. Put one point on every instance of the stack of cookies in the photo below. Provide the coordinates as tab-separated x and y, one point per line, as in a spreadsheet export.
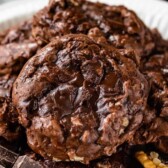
84	85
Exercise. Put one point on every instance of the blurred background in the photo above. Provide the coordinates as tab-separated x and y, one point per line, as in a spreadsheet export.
4	1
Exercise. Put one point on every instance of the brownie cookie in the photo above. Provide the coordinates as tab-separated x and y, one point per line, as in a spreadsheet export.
9	130
17	46
119	26
12	58
79	100
17	34
156	68
14	55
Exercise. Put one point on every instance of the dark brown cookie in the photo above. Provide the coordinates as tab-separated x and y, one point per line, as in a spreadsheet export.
79	100
17	46
14	55
9	128
156	68
120	26
17	34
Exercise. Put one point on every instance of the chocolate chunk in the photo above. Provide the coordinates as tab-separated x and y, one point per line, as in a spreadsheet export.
26	162
7	157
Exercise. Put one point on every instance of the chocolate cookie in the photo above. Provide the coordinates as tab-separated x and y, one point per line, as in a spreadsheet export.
16	48
9	128
156	68
17	34
79	100
14	55
119	26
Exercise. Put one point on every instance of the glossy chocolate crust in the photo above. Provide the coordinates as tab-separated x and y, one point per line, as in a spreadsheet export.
16	47
120	26
79	100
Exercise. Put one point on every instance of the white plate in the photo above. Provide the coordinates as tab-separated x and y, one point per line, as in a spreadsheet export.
153	12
